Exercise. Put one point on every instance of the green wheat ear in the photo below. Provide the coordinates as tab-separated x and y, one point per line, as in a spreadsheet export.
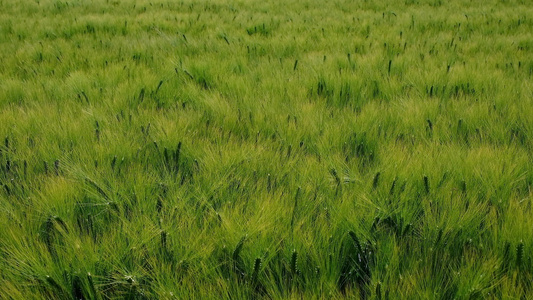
255	273
294	263
238	248
55	286
378	291
375	183
52	229
92	286
393	186
77	288
520	254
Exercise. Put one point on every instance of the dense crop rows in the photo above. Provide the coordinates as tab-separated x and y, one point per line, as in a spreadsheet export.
266	149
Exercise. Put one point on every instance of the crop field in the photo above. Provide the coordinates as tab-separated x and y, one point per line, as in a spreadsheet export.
363	149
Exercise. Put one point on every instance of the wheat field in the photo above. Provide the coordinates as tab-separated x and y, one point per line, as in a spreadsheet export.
248	149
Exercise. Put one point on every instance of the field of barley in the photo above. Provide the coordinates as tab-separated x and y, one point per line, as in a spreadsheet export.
299	149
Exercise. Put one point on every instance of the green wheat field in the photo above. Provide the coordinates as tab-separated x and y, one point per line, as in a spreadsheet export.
362	149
